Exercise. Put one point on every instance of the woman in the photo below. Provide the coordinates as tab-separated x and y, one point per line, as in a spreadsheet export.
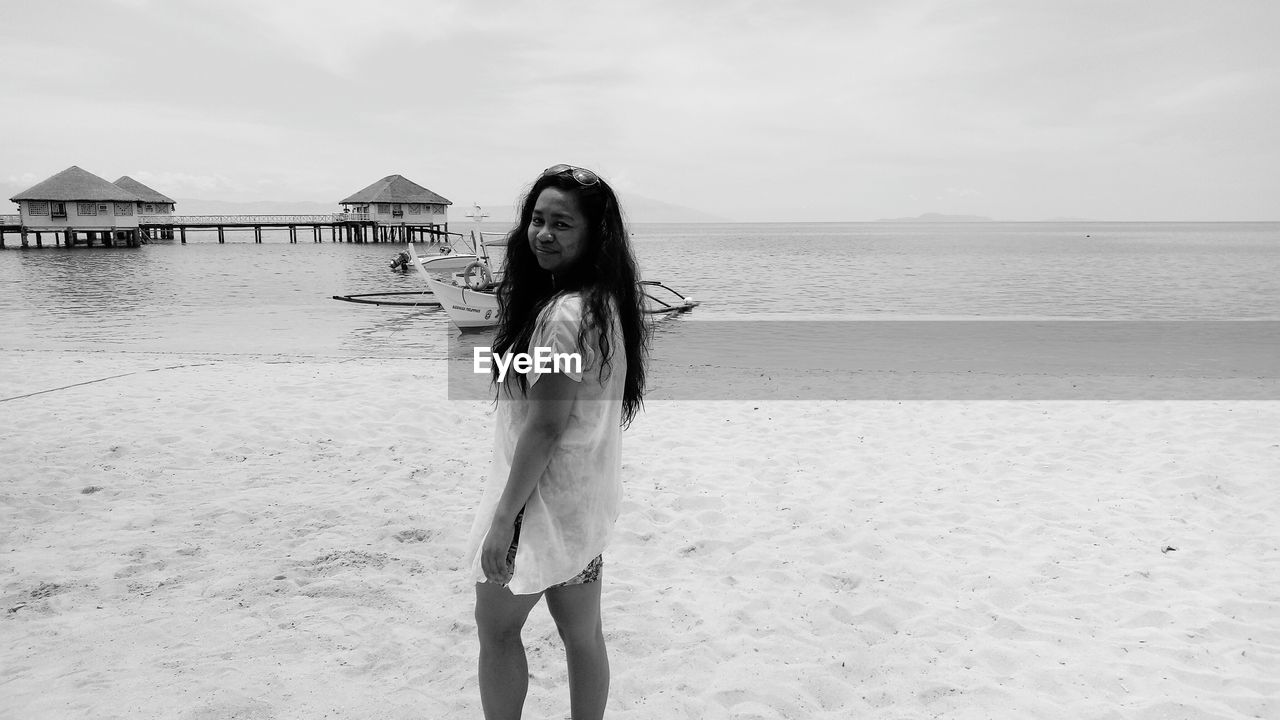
569	285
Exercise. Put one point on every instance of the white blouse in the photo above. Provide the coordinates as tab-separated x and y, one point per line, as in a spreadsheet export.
570	515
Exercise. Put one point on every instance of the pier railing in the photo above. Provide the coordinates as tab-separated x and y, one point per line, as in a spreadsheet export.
323	219
10	219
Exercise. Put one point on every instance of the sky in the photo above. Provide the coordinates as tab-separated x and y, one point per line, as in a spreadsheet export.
747	111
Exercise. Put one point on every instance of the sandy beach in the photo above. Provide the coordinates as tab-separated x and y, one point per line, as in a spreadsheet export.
260	537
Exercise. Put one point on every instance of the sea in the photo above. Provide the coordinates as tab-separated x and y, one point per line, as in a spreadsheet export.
277	298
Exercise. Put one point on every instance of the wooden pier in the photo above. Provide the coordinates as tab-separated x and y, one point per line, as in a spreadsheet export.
342	227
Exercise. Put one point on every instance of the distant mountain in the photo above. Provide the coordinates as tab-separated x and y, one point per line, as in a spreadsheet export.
193	206
939	217
648	210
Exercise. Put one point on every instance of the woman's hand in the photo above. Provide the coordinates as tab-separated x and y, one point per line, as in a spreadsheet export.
493	554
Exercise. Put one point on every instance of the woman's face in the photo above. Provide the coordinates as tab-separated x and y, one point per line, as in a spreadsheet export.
558	230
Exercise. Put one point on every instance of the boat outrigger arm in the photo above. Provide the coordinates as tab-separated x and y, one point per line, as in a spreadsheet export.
424	298
658	306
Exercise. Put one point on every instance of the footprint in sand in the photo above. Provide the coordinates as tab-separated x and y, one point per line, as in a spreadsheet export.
413	535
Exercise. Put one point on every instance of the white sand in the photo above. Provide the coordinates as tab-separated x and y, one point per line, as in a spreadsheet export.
238	537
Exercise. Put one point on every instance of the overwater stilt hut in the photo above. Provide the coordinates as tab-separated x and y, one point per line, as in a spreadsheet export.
399	208
78	206
151	204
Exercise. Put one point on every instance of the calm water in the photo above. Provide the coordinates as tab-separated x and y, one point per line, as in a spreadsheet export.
275	298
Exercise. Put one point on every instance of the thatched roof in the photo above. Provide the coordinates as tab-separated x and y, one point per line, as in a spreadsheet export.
142	191
396	189
75	184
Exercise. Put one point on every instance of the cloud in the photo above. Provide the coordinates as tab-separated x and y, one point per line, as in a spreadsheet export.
742	108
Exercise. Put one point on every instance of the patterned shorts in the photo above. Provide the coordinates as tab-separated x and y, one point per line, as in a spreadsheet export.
589	574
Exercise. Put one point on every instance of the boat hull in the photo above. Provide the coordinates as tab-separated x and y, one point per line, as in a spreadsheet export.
467	308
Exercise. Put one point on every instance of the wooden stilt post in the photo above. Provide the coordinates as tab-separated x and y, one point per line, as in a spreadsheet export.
257	234
221	238
24	238
182	231
39	239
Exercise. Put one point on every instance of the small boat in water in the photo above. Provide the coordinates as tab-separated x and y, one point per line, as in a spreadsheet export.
449	259
472	309
466	287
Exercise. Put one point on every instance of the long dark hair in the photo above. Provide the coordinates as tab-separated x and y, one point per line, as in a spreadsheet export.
605	271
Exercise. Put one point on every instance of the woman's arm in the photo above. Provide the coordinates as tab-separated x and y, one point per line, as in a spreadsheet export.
550	401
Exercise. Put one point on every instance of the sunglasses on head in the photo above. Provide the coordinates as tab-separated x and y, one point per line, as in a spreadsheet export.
582	175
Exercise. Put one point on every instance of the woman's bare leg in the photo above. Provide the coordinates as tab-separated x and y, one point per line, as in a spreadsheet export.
504	669
576	610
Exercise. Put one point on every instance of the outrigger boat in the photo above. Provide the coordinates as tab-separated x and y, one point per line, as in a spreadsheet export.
449	259
469	299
